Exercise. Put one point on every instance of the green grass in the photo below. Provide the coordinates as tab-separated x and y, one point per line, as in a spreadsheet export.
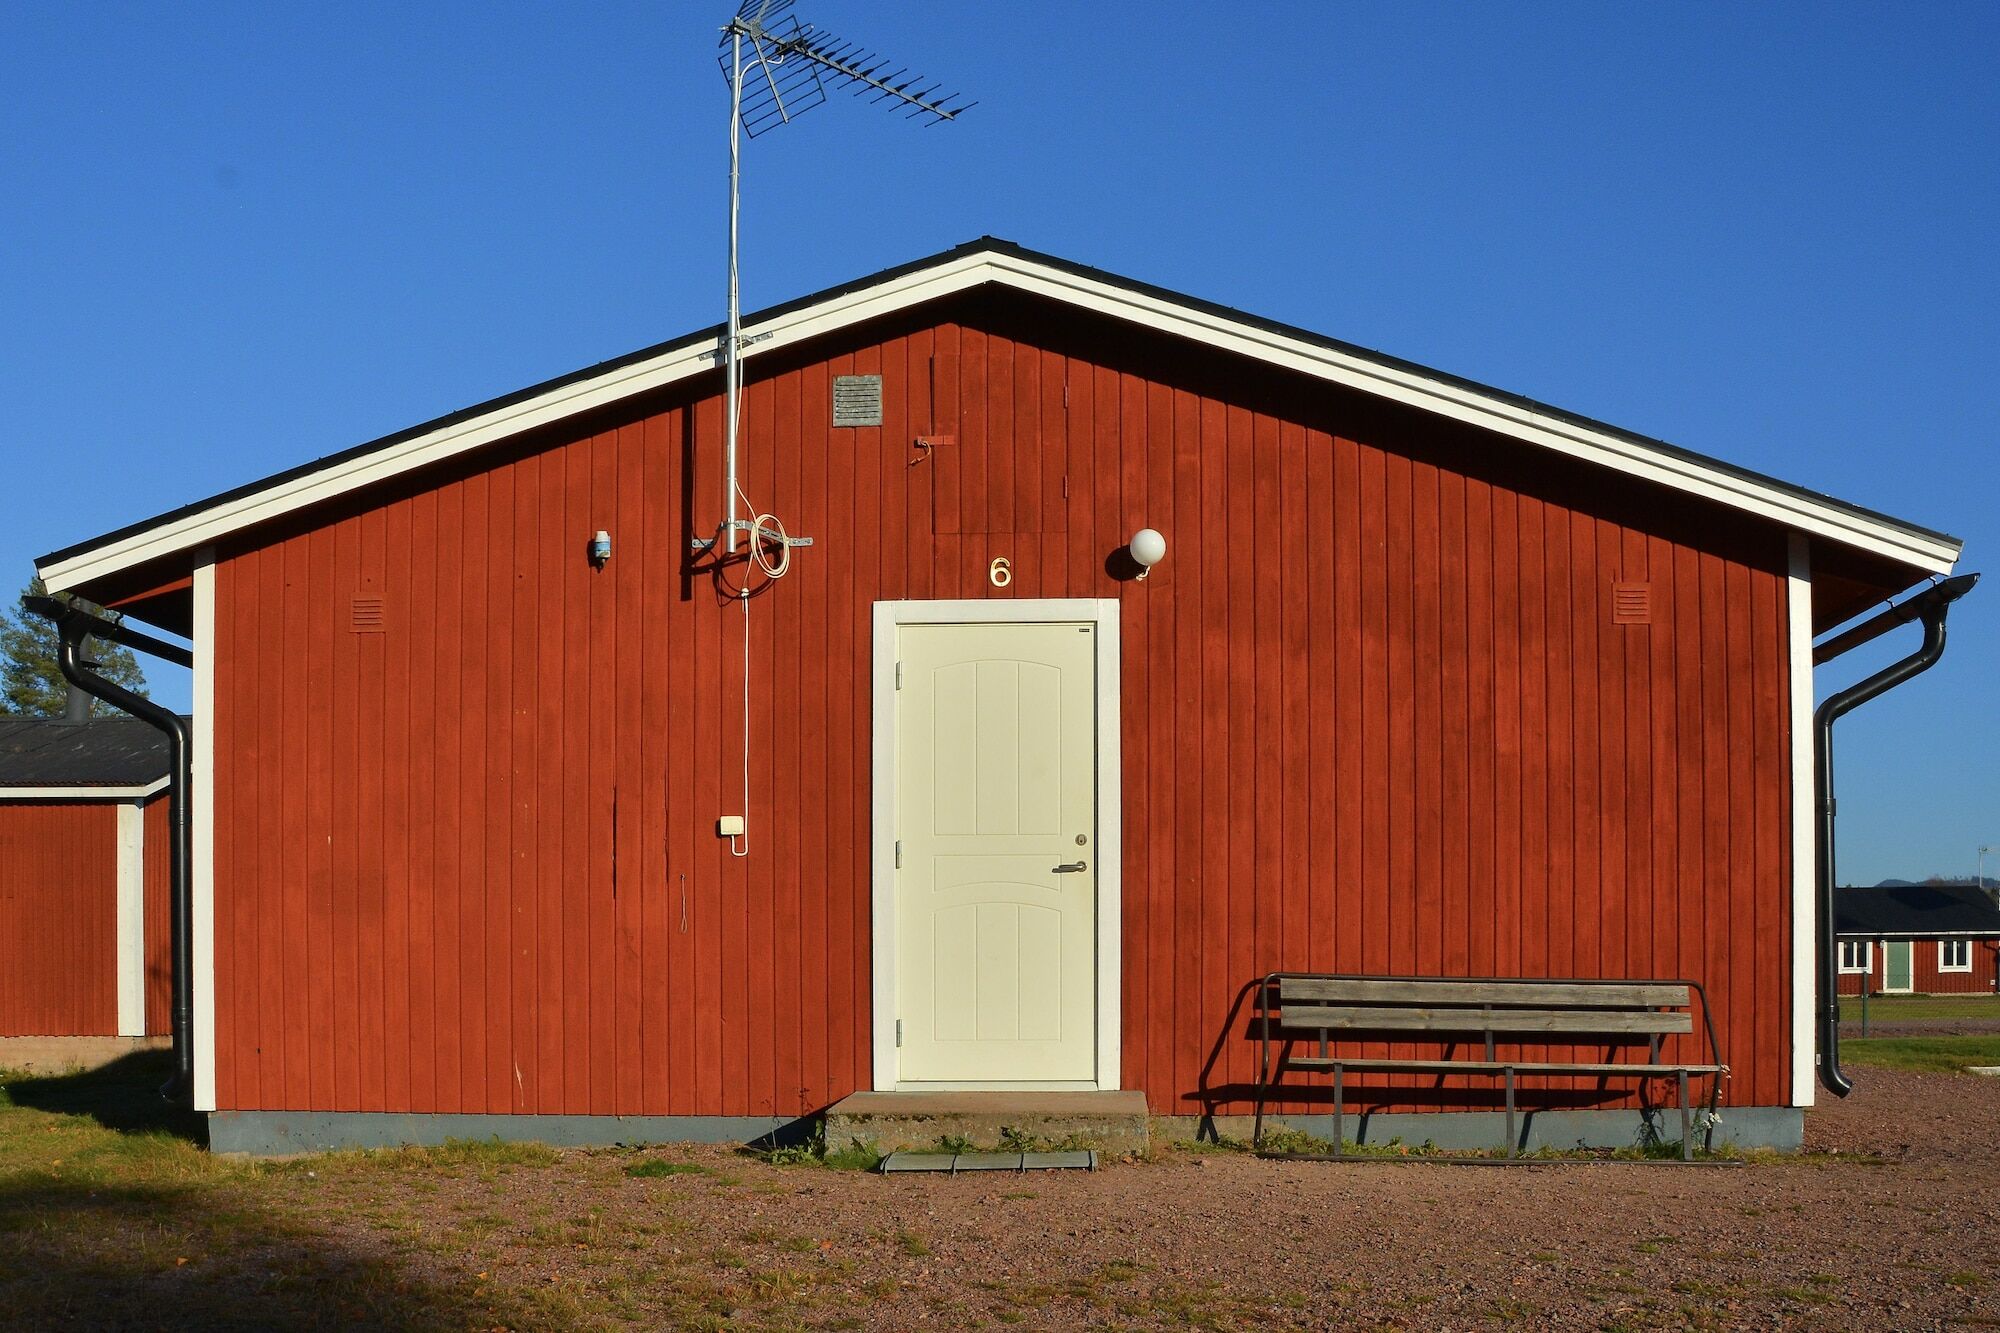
854	1157
482	1156
1946	1055
1897	1008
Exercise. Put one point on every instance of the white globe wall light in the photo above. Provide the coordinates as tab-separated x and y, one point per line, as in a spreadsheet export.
1148	549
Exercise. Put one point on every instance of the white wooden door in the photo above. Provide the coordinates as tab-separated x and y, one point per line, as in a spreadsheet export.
996	740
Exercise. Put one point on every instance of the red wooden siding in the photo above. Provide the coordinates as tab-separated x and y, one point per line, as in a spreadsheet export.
1377	716
1925	976
158	862
58	919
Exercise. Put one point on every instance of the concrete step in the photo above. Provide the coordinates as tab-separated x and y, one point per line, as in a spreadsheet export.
1114	1123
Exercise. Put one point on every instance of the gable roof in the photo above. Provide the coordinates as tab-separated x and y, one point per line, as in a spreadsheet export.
1001	262
47	758
1915	911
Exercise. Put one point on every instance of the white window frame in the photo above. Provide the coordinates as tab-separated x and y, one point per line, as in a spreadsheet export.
1944	966
1866	967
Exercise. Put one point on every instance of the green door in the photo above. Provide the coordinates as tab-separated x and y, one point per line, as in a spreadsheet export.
1896	966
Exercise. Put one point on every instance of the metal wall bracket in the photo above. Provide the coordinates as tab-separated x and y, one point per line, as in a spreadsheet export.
747	340
745	525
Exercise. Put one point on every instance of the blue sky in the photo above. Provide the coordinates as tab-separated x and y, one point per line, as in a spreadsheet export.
237	236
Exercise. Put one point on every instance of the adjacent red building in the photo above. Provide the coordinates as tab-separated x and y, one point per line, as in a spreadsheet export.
1431	679
83	889
1918	939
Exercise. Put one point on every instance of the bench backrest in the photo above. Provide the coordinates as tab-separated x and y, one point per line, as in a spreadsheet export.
1528	1009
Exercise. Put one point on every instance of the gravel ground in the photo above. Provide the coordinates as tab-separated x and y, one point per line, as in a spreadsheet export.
1924	1027
1892	1221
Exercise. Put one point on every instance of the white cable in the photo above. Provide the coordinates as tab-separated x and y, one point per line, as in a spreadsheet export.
763	528
739	845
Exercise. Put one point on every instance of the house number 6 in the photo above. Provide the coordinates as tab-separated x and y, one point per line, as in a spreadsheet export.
1001	572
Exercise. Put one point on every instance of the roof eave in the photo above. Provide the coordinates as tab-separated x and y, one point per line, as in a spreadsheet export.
195	527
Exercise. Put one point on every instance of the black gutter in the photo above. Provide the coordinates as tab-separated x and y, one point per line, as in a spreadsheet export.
73	626
1868	630
1931	606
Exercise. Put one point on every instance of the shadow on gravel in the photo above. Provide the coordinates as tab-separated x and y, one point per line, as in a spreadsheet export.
190	1257
125	1223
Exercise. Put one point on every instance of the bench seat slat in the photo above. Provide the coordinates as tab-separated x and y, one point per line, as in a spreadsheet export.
1445	992
1492	1066
1367	1018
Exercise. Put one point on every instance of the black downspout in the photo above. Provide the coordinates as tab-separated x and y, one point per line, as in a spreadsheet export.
73	626
1931	606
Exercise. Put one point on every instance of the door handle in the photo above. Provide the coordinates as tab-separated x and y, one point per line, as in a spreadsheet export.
1071	868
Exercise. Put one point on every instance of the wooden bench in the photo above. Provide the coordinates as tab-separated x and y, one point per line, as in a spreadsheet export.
1454	1013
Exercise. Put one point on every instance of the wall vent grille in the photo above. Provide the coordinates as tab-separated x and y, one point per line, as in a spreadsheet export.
857	400
1631	603
366	616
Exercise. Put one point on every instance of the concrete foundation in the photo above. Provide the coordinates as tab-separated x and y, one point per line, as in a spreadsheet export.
1114	1123
69	1055
286	1133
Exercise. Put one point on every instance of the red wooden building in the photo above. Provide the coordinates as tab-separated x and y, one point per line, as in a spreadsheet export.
1918	939
83	890
1432	679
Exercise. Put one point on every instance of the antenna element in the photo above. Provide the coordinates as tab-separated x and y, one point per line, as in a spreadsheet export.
778	68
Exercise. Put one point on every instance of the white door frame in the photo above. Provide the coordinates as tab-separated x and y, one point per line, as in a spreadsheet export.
1102	613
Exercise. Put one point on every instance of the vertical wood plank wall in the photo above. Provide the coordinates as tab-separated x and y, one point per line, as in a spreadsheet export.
58	919
1376	717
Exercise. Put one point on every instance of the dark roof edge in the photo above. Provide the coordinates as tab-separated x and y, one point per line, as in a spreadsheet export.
1942	934
992	244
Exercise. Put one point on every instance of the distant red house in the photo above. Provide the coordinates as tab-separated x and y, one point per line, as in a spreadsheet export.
519	808
83	888
1921	939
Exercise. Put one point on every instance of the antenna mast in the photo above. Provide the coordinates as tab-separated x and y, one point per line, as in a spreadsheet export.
788	65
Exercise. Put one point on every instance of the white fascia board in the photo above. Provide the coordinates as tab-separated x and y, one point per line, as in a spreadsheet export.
130	921
1804	945
201	830
1212	328
83	793
461	437
1462	403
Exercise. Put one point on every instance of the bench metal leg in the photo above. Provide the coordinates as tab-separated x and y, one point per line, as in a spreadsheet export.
1339	1100
1510	1111
1687	1131
1257	1125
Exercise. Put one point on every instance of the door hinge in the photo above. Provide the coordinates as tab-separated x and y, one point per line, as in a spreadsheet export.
899	853
899	675
899	1032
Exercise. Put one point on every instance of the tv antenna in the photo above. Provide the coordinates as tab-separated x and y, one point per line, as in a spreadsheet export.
779	68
